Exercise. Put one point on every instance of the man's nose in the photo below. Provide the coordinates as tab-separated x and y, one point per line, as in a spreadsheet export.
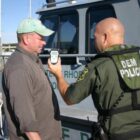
44	43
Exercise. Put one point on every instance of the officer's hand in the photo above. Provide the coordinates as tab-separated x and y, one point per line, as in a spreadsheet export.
55	69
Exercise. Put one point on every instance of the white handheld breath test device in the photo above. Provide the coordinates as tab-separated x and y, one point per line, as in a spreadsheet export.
54	54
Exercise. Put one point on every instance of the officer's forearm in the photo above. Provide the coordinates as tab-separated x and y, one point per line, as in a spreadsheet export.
63	86
33	136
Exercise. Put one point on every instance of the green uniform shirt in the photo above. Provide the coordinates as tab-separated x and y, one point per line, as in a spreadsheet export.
101	80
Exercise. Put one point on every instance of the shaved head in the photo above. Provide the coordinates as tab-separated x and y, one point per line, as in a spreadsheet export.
108	32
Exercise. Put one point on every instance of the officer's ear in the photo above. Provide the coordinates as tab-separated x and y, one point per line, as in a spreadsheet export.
105	39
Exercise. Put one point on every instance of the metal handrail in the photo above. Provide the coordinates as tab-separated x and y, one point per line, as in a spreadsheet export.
69	55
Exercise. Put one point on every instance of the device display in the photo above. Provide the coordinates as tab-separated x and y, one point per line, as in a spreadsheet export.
54	54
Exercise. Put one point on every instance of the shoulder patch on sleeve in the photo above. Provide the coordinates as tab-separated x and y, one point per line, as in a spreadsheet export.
83	74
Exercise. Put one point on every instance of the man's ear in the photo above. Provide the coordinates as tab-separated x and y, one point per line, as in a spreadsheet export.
25	39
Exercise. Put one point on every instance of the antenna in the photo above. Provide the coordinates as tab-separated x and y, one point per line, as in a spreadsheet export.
1	59
0	26
30	8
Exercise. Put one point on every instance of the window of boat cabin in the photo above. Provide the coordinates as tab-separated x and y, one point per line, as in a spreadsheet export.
139	2
65	37
93	16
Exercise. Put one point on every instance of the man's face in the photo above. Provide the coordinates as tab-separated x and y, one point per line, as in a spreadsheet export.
36	43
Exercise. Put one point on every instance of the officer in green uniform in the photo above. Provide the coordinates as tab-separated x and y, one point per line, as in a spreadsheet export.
113	80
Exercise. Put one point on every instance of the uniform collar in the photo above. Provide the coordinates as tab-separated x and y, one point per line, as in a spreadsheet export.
115	47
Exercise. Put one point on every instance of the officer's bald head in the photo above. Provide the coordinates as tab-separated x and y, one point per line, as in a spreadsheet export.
108	32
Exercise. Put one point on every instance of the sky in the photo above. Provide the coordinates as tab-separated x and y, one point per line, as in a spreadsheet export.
12	12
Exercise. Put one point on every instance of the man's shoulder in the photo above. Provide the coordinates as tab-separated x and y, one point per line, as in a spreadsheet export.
15	61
